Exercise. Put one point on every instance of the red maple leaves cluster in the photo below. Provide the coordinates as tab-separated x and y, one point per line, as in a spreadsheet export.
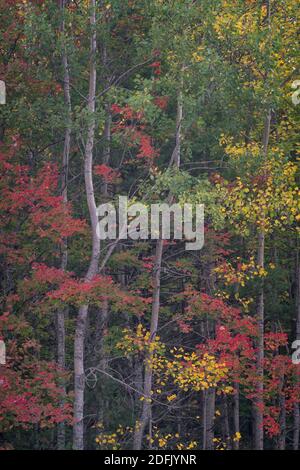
132	125
108	174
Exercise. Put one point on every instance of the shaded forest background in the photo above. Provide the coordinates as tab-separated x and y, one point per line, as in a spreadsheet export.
140	343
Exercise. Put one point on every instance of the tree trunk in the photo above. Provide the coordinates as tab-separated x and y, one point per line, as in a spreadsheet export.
210	414
64	191
204	419
236	413
296	424
107	125
101	325
226	426
282	416
259	400
60	325
146	408
104	310
107	141
79	379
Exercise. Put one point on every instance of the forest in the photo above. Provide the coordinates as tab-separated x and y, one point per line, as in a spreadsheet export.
132	343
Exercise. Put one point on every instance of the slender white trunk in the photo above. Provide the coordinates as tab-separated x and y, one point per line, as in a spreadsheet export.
296	424
259	402
282	416
142	423
64	191
210	413
236	413
146	410
79	378
260	316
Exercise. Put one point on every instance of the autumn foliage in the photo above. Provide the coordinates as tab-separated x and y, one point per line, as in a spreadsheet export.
149	345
